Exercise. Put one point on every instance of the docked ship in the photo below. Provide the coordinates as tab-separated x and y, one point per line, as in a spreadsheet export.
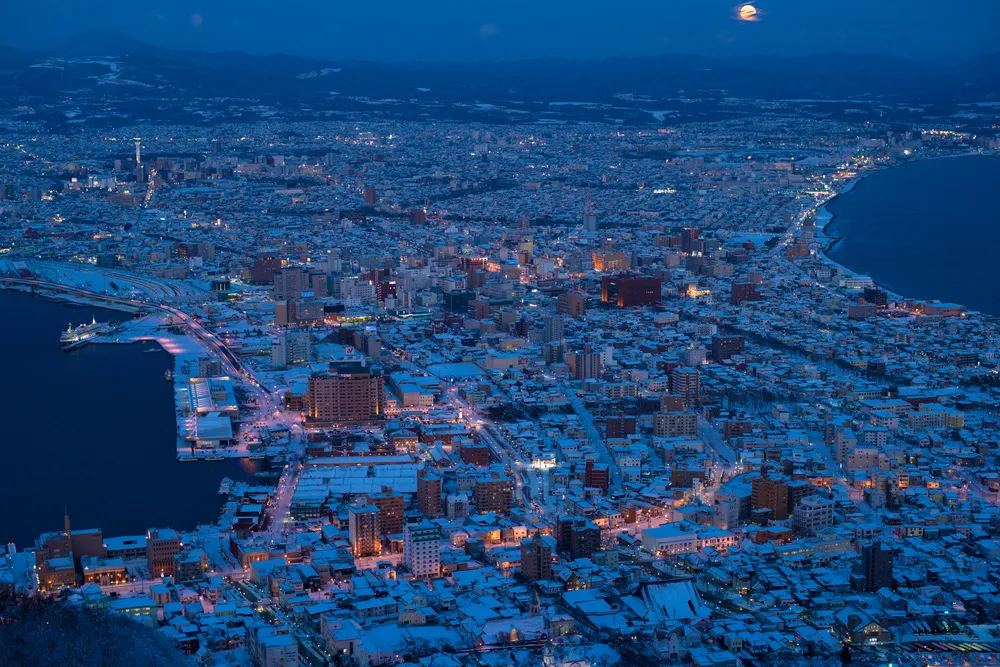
81	335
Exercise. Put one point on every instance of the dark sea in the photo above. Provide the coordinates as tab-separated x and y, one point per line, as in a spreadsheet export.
92	430
926	230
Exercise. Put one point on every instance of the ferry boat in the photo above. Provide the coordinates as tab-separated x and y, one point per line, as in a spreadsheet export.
72	338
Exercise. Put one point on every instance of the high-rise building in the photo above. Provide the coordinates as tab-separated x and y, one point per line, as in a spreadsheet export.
318	283
586	364
349	393
724	347
390	506
457	505
386	289
290	282
874	570
688	238
371	195
264	266
554	353
686	383
162	544
418	217
429	494
770	493
364	530
290	347
553	329
597	475
577	536
571	304
611	261
494	492
422	549
536	557
619	427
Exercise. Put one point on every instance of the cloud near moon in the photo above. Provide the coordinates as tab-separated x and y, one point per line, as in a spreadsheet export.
747	13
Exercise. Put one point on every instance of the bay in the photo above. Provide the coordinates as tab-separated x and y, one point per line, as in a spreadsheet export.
926	230
92	431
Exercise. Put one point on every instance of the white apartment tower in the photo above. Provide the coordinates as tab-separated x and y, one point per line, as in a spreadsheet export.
422	549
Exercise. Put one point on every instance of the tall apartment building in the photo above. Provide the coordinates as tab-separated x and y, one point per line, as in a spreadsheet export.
536	557
577	536
597	475
586	364
349	393
391	507
291	347
874	570
770	493
571	304
553	330
162	544
290	282
422	549
429	493
686	383
494	493
364	530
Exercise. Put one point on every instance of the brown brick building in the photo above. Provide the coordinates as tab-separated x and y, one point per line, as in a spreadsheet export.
349	393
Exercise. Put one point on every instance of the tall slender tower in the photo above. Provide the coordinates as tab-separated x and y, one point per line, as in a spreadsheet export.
589	215
140	173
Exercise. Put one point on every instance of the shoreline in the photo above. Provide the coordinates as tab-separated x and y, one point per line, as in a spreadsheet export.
829	243
180	355
143	447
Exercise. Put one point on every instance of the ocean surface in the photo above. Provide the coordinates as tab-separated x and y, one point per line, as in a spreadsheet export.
926	230
92	430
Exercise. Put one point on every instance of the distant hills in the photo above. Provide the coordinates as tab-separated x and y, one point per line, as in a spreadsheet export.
115	65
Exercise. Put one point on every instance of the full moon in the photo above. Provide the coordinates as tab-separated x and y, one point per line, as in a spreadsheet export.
747	12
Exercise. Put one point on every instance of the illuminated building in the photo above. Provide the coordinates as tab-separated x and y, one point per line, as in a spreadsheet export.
536	557
429	494
162	544
364	531
627	291
422	549
390	506
494	493
349	393
264	266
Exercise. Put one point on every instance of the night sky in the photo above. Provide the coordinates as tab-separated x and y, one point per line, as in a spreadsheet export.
476	30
